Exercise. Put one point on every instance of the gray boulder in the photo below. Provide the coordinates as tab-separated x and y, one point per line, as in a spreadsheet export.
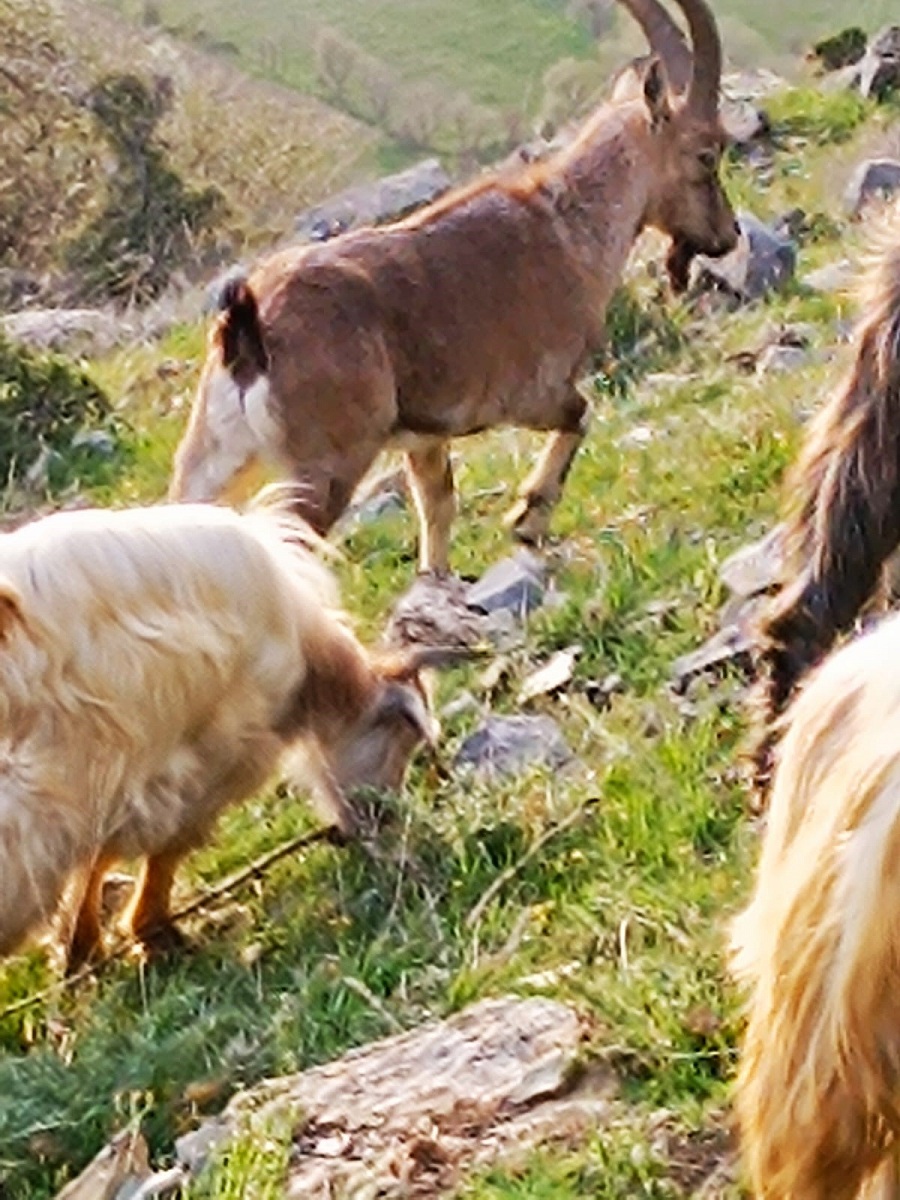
374	203
762	261
88	329
879	70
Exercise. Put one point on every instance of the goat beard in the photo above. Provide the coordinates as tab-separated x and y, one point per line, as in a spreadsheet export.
678	264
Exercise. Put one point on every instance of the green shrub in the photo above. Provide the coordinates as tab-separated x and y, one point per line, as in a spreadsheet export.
811	113
45	403
151	218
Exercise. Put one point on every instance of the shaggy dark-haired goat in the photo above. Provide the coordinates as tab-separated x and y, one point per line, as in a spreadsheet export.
845	490
480	311
818	1090
156	665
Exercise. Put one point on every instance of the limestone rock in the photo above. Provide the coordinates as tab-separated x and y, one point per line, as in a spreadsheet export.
515	584
406	1116
67	328
374	203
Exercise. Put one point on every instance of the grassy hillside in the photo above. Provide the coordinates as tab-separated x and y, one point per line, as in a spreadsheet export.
623	915
495	52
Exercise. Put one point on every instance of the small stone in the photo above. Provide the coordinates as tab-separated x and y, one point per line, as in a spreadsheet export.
515	584
98	441
833	277
781	358
506	745
874	179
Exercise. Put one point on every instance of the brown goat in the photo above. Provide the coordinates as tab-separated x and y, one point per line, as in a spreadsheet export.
156	665
845	492
480	311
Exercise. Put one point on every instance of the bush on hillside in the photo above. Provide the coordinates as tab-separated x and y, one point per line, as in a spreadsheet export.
45	403
810	112
151	220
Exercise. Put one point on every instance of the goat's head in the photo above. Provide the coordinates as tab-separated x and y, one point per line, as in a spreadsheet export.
681	92
376	750
231	428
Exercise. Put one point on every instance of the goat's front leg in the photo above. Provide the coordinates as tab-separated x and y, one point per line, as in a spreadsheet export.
148	918
529	518
431	482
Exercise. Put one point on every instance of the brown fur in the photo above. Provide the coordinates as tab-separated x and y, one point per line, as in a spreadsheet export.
818	1090
480	311
845	490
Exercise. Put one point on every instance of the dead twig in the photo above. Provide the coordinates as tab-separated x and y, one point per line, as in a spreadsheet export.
228	885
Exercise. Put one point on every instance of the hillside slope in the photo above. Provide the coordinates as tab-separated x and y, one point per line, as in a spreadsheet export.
622	913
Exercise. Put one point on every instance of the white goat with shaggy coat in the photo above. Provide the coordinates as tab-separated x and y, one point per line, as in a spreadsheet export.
818	1093
155	665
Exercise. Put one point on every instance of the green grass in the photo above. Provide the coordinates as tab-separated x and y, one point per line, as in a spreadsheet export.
495	53
623	914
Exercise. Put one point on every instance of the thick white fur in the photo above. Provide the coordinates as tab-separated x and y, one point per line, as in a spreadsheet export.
155	664
818	1093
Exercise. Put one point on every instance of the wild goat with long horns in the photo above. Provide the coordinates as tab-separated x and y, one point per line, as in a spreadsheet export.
481	310
845	491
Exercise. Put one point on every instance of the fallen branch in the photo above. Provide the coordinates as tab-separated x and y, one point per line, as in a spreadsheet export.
228	885
534	849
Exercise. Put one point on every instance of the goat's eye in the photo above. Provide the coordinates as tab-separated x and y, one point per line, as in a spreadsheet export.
708	160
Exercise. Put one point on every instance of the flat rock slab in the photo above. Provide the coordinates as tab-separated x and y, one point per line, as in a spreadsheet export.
405	1117
504	745
374	203
757	567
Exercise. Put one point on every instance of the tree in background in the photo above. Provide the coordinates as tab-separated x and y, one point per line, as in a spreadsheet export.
151	221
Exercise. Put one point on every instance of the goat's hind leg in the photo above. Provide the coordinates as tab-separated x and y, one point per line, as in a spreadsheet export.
85	938
529	519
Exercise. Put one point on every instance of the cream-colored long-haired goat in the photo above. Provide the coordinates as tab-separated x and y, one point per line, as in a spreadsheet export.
818	1093
155	665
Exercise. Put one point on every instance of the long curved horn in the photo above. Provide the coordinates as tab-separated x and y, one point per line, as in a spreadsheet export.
703	96
665	39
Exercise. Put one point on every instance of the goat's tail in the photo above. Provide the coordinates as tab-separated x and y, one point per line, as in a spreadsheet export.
238	331
846	519
818	1090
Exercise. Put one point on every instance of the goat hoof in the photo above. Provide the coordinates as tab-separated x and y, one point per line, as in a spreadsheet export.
81	955
162	941
528	521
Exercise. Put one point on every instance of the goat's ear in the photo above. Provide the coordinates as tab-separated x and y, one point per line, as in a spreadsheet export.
656	92
400	701
11	612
